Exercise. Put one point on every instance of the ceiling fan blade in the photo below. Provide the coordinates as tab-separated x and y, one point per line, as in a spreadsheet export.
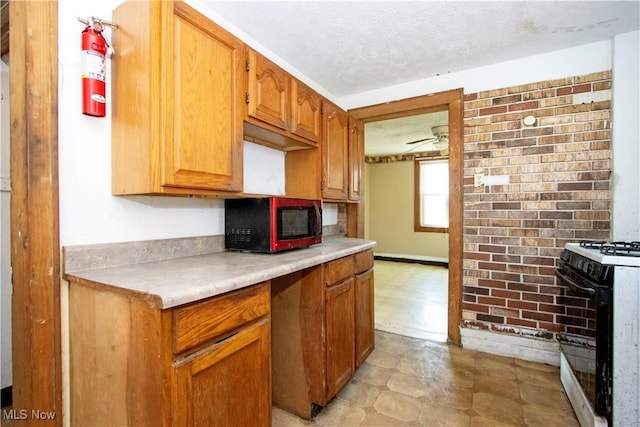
418	147
420	140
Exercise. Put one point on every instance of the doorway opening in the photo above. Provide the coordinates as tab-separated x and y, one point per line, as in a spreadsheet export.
450	102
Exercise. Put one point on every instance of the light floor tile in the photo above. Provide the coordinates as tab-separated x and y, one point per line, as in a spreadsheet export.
412	382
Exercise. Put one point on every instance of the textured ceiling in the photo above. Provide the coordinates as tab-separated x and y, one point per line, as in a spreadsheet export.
348	47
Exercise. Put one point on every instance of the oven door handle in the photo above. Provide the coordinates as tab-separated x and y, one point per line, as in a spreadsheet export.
573	284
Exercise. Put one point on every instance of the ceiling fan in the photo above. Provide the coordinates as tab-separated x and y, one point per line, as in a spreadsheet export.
440	140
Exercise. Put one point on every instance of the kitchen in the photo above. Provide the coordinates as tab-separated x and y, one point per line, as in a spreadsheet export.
85	179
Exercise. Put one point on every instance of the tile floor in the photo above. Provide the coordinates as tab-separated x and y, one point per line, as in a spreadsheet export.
414	379
411	299
413	382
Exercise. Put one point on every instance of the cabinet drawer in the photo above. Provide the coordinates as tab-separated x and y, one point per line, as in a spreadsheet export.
202	321
364	261
338	270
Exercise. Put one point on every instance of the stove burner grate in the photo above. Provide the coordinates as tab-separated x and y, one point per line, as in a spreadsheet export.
621	249
613	248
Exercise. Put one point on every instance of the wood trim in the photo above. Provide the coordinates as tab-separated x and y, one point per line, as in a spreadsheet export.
35	245
453	101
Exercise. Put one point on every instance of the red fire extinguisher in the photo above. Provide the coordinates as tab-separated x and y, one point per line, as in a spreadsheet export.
94	53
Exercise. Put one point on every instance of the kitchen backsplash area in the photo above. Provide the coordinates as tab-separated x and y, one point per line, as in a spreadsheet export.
546	183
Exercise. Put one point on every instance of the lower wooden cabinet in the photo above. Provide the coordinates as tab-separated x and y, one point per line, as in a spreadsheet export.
203	364
339	318
322	329
364	316
227	383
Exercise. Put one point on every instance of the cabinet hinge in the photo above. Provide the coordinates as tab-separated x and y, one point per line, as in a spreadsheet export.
247	65
246	97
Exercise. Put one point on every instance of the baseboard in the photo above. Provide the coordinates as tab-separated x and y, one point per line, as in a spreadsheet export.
526	348
413	259
7	396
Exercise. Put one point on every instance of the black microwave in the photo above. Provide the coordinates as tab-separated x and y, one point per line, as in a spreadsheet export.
271	224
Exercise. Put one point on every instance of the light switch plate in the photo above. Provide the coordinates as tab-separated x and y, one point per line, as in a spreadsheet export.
478	179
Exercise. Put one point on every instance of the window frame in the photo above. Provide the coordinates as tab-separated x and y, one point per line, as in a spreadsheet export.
417	226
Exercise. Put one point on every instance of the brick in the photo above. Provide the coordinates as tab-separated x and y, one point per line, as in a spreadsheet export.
534	315
501	311
493	266
476	290
478	308
573	109
538	261
573	89
602	75
593	135
556	139
525	232
487	283
489	318
470	97
505	240
513	259
492	110
522	142
492	249
556	215
524	269
537	297
505	276
553	102
526	305
510	99
575	186
528	105
492	93
538	150
538	94
521	322
491	301
506	205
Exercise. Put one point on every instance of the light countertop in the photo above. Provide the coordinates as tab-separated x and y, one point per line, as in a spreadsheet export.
172	282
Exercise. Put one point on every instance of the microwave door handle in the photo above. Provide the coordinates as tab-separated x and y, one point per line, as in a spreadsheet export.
315	224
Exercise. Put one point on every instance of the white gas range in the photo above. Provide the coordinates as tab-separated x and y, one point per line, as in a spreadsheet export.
601	372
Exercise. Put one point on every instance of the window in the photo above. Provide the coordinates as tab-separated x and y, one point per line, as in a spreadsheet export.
431	195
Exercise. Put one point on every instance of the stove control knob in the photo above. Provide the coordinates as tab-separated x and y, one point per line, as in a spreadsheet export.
564	256
587	267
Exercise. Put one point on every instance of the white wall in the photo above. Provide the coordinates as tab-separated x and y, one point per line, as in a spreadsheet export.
391	209
5	236
580	60
626	226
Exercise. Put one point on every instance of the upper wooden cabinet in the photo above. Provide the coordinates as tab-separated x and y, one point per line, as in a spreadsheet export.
282	112
335	154
178	82
356	158
306	111
269	91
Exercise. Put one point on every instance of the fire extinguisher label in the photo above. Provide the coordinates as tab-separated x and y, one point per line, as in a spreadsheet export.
94	66
98	98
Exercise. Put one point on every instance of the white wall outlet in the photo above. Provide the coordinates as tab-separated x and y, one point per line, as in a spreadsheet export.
478	179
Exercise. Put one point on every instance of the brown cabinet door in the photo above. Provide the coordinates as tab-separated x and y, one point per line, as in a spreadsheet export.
268	95
306	117
227	383
203	80
365	332
339	317
356	158
335	152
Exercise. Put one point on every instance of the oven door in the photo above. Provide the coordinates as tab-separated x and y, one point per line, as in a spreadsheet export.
591	364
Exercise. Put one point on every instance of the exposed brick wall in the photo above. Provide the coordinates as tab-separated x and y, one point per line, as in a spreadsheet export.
556	189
